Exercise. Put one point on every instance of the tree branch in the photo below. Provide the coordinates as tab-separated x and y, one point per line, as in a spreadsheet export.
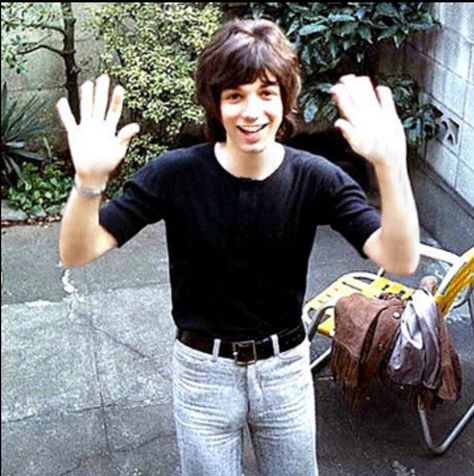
45	27
50	48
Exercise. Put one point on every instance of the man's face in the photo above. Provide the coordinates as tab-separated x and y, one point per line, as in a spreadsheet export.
251	115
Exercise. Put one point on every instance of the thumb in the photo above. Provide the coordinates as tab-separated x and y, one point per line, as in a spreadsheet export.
348	131
126	134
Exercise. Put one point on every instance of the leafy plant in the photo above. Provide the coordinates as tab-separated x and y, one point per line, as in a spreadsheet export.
42	189
19	125
417	119
337	38
151	50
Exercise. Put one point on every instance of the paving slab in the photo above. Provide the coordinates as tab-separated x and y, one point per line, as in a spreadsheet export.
31	269
52	445
134	336
48	362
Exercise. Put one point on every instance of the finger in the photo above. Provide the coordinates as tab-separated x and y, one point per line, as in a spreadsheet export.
346	77
385	98
126	134
87	91
361	91
344	102
348	131
115	110
65	114
101	97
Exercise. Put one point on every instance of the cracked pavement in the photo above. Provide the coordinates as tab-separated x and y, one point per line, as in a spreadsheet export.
86	369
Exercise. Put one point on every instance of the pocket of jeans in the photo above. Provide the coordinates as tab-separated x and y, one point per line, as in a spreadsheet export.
189	356
296	353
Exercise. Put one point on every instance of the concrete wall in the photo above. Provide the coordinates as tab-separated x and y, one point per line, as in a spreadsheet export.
442	61
45	77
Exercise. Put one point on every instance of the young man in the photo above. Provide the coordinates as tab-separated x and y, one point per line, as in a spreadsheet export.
241	212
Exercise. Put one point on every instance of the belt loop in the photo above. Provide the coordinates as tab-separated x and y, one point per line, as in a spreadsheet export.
276	344
215	349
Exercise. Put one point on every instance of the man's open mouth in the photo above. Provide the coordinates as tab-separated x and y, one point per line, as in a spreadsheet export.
251	130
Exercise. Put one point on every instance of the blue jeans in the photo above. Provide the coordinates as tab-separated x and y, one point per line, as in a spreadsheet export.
214	398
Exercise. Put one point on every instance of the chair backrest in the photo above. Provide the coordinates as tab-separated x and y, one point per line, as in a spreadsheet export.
459	277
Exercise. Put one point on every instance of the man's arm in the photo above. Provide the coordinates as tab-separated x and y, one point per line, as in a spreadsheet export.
371	126
96	150
82	239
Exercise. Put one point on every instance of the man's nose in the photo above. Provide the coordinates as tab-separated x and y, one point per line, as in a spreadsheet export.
252	108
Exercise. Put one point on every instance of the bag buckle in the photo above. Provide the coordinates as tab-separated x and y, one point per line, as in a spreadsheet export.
244	352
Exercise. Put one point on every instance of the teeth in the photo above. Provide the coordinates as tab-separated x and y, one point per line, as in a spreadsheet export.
252	129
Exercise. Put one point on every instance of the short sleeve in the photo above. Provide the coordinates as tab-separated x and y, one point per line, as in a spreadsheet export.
143	201
347	210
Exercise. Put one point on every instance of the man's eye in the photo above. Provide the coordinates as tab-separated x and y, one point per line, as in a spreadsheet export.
268	93
233	97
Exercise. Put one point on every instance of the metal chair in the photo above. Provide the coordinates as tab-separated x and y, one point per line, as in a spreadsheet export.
454	290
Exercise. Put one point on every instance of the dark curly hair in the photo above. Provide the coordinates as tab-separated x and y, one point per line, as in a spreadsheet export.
241	52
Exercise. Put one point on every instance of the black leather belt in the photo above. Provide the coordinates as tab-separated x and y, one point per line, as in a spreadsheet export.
244	352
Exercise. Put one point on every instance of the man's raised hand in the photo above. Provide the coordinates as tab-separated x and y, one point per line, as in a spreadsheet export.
96	149
369	120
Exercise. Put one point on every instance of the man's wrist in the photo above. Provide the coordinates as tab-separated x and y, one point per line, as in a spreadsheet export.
89	190
391	167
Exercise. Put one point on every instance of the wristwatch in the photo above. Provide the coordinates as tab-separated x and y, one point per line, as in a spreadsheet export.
87	192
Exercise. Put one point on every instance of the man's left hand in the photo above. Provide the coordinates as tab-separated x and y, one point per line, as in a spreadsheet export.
369	120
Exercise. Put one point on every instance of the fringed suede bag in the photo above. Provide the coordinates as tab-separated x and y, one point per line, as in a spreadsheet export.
365	332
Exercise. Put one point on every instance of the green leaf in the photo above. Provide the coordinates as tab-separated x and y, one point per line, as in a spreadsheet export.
388	32
340	18
365	33
293	27
361	13
398	40
324	87
312	29
333	48
310	110
387	9
296	7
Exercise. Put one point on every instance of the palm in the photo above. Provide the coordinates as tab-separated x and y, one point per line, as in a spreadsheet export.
370	122
95	147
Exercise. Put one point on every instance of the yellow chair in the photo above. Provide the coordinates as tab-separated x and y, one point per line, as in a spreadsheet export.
454	290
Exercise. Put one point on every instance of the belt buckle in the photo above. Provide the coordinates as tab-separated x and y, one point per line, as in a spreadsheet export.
247	350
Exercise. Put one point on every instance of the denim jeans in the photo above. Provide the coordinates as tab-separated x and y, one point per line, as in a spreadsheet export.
214	398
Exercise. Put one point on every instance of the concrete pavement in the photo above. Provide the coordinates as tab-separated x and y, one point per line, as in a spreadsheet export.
86	382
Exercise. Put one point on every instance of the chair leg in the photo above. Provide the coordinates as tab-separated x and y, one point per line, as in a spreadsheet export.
321	360
314	324
471	310
461	424
448	441
311	332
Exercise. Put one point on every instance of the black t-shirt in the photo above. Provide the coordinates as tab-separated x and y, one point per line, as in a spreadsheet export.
239	248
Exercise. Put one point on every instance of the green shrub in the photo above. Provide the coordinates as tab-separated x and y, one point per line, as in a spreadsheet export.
417	119
19	125
151	50
42	189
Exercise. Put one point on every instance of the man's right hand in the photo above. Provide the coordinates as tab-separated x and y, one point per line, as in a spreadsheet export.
96	149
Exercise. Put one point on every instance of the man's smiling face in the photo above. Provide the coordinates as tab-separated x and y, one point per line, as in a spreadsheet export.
251	115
